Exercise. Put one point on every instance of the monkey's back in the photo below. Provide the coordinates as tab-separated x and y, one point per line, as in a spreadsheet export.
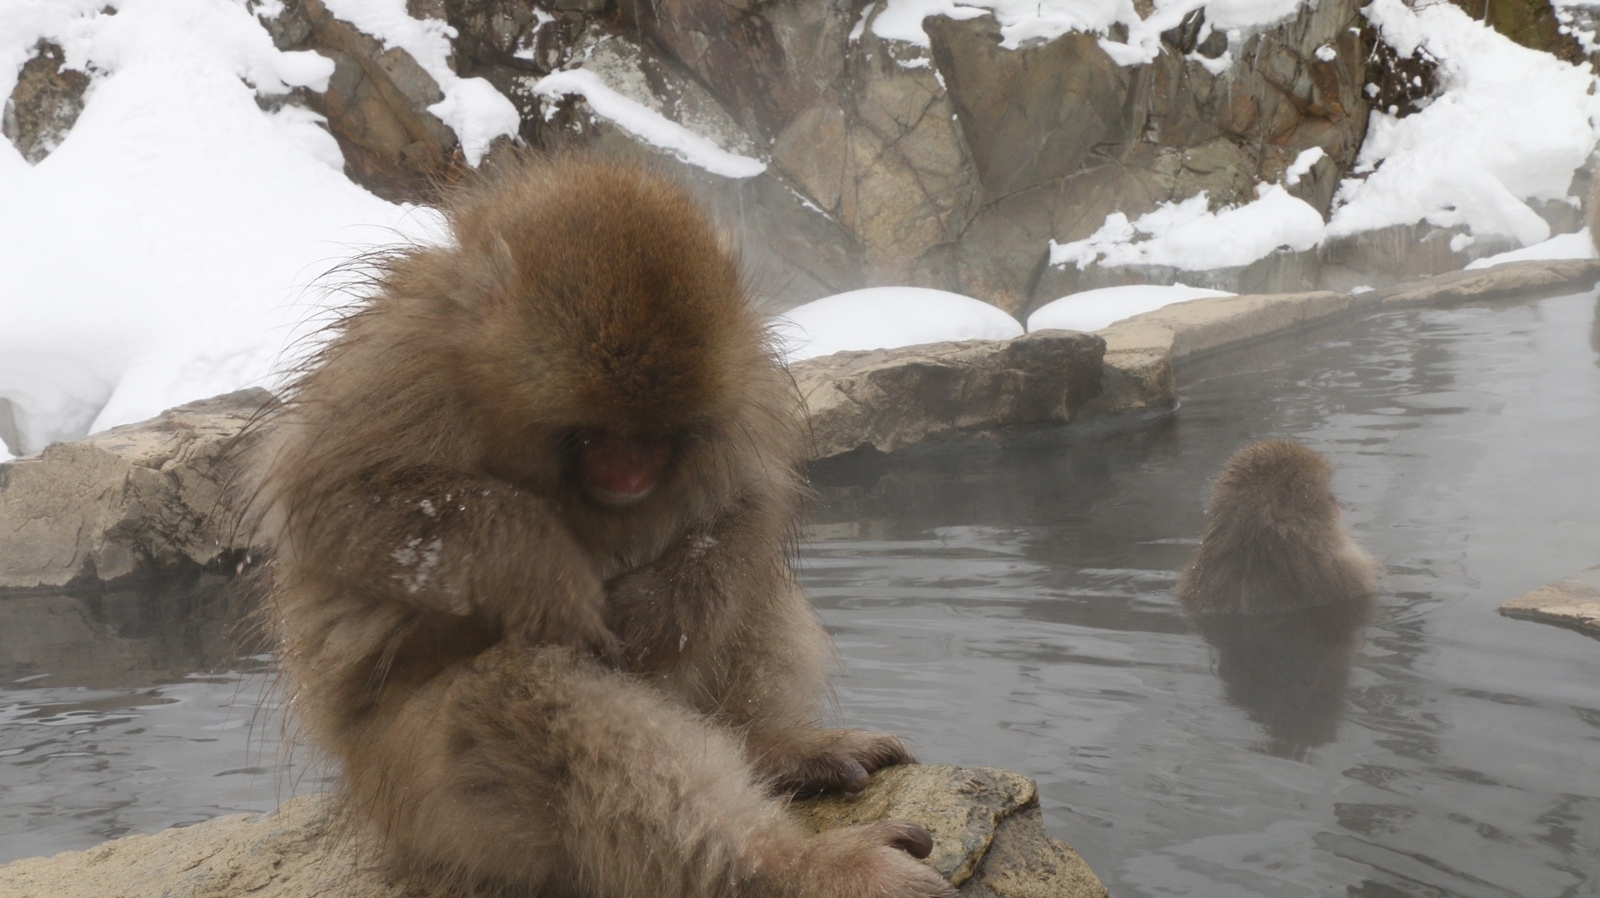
1274	539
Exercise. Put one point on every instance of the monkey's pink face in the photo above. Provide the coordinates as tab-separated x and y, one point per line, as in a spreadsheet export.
618	470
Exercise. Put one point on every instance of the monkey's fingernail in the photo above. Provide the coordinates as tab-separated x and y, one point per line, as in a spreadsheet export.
912	839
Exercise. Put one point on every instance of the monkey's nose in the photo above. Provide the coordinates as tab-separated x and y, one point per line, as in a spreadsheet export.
620	469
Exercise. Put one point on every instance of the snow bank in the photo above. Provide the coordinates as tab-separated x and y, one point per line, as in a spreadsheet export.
1185	235
160	254
886	318
1511	125
1092	310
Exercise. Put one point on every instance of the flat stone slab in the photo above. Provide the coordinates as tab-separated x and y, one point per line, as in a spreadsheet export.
1573	603
988	835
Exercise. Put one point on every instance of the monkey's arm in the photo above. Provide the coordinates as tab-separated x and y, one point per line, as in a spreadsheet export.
588	781
461	544
720	619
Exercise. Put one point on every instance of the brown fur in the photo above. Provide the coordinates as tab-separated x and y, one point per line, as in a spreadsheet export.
1273	538
525	687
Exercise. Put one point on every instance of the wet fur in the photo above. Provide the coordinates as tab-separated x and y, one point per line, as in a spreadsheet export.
1273	538
524	689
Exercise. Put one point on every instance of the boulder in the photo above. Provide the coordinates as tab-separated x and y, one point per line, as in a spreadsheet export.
890	399
45	103
988	834
136	499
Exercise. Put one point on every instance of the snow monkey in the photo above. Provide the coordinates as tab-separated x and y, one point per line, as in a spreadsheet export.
1273	538
530	505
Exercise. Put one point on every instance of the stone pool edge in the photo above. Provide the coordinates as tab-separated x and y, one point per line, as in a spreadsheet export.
1141	350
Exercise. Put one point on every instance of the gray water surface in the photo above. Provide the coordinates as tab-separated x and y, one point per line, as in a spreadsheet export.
1011	606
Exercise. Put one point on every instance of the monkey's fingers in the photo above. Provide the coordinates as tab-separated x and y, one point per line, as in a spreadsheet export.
910	838
826	760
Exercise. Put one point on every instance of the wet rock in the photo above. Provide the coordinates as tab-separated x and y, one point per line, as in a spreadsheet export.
894	398
135	499
987	832
1573	603
45	103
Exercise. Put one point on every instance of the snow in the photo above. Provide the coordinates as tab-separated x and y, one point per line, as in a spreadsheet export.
160	254
1185	235
1025	21
1564	246
886	318
1512	125
1092	310
648	125
1302	164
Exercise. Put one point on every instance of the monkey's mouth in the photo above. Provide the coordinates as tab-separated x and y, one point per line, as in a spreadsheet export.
621	469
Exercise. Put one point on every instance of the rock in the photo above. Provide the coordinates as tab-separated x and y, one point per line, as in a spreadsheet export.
45	103
376	104
987	829
1140	350
135	499
1573	603
1525	280
894	398
128	635
1131	137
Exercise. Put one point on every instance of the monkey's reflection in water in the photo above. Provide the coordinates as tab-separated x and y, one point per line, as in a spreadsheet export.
1282	591
1288	670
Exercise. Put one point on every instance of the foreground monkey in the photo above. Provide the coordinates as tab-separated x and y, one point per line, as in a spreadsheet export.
1273	539
530	507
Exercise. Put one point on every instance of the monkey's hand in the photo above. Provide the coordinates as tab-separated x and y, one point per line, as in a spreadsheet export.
886	855
808	761
466	545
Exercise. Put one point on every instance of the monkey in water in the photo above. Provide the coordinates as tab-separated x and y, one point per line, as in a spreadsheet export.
1273	538
1282	591
530	505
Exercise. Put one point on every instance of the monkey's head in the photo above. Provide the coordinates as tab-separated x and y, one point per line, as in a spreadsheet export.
607	343
1282	481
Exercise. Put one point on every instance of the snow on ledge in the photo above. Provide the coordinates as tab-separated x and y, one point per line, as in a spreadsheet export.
646	124
1564	246
1092	310
888	318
